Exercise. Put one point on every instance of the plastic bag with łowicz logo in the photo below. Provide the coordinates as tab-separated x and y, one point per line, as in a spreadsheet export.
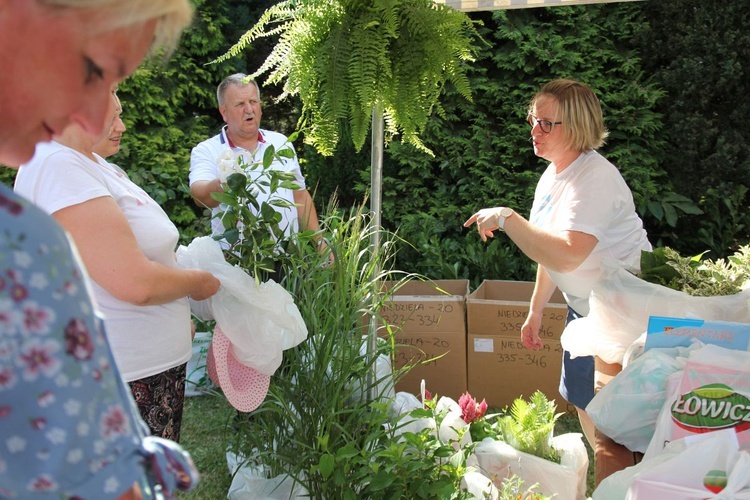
713	394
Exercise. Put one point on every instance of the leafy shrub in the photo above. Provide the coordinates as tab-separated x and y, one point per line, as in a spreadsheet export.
695	275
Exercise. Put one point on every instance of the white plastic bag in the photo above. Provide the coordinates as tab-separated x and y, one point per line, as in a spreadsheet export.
621	304
616	485
479	486
250	483
403	403
382	378
261	321
566	480
697	472
626	408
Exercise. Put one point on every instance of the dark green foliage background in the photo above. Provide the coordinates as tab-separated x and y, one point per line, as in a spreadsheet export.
670	75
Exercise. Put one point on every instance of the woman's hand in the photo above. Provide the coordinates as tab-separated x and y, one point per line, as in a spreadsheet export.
206	285
530	332
487	222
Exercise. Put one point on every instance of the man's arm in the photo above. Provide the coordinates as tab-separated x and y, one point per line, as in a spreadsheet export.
201	192
308	216
204	176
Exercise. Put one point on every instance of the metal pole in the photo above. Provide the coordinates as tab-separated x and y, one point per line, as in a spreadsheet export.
376	180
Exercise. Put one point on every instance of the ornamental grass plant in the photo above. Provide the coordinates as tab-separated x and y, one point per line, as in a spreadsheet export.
325	421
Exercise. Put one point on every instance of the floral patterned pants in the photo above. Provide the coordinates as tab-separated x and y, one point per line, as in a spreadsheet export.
160	399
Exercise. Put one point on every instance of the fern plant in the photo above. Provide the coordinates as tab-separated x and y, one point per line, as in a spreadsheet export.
345	58
528	426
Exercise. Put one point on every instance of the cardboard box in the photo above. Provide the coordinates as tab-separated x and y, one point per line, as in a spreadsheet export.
444	372
500	307
427	306
500	368
427	323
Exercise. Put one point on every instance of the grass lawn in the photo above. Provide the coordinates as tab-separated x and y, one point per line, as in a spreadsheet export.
206	432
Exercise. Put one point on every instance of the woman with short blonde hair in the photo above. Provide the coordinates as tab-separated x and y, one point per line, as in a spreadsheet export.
583	212
580	110
172	16
60	57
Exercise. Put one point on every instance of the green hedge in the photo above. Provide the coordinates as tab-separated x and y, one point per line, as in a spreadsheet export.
670	76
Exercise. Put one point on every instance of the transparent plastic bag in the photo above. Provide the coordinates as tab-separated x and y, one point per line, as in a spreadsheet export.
711	393
621	304
710	468
626	409
695	451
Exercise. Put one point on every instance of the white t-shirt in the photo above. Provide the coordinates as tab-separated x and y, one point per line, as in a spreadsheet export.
146	340
203	167
589	196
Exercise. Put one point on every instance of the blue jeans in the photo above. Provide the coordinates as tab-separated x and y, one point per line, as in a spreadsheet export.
577	377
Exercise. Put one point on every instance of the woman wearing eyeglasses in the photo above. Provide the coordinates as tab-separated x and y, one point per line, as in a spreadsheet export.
582	213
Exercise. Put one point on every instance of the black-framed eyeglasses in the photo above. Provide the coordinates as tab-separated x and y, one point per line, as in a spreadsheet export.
545	125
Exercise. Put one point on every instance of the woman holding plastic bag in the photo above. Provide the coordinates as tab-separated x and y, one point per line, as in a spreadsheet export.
583	212
127	243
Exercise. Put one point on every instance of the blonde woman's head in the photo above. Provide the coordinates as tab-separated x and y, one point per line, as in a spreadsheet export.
59	59
578	110
172	16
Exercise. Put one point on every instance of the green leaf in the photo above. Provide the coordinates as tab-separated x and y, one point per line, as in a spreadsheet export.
231	235
269	155
326	465
237	182
381	480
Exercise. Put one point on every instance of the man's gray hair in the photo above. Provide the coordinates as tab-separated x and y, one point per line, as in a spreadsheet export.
238	79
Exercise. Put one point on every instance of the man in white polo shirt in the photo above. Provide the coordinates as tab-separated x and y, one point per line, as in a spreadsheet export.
239	104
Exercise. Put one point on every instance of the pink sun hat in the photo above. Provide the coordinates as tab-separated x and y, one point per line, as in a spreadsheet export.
245	388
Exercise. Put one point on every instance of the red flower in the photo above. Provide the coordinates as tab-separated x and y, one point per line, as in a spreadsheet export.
428	400
471	411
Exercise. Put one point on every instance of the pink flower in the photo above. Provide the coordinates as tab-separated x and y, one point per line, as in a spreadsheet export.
471	411
46	398
38	423
39	357
78	341
37	319
42	482
114	423
7	378
18	292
